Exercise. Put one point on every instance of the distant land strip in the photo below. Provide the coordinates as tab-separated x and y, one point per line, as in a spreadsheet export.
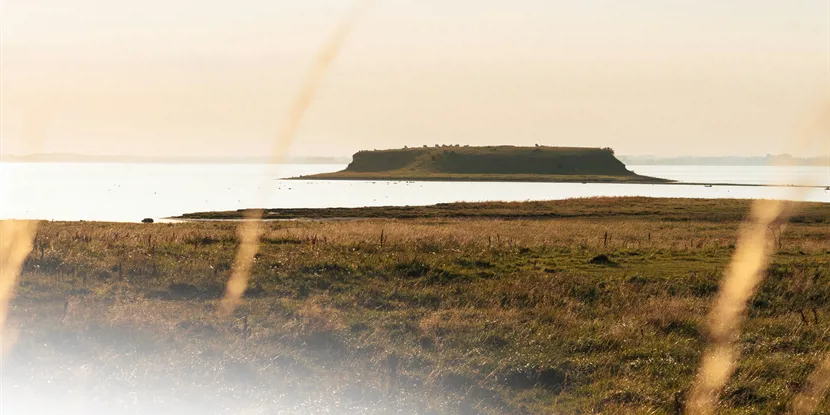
661	209
769	160
544	179
438	177
505	164
84	158
631	160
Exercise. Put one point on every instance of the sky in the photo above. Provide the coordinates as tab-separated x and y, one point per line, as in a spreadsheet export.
216	78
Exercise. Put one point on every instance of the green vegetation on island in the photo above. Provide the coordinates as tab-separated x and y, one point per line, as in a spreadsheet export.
493	163
588	312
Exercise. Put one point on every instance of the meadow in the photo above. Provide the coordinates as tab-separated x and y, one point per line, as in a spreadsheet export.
580	306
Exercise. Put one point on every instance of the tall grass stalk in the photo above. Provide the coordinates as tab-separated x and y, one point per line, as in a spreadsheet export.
16	238
249	232
806	402
743	275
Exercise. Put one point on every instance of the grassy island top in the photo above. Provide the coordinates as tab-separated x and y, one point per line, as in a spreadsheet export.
492	163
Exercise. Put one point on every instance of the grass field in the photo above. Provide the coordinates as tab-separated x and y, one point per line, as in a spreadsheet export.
585	306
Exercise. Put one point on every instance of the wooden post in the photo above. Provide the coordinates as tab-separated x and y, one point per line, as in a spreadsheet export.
392	363
246	332
65	311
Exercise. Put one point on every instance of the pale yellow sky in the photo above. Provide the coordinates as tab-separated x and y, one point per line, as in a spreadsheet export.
212	78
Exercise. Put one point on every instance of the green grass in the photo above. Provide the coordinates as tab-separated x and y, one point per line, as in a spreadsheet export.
482	314
495	163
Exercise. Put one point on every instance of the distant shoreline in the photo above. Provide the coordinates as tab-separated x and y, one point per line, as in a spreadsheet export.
592	207
170	160
726	161
527	178
496	179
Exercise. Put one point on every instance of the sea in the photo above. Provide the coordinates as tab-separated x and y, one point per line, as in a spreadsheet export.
124	192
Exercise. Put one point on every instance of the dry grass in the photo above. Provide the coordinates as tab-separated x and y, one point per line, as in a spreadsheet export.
483	315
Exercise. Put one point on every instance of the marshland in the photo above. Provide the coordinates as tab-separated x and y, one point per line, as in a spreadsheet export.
478	310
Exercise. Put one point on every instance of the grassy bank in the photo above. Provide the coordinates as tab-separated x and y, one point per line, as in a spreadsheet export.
715	210
581	313
492	163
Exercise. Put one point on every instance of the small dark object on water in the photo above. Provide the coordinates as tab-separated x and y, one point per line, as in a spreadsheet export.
708	185
147	220
601	259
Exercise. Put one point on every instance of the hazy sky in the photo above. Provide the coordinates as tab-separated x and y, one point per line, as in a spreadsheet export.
209	77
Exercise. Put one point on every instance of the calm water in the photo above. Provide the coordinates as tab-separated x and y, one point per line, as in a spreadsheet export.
130	192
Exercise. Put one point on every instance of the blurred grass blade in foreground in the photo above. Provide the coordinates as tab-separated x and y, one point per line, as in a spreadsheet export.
16	238
250	230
